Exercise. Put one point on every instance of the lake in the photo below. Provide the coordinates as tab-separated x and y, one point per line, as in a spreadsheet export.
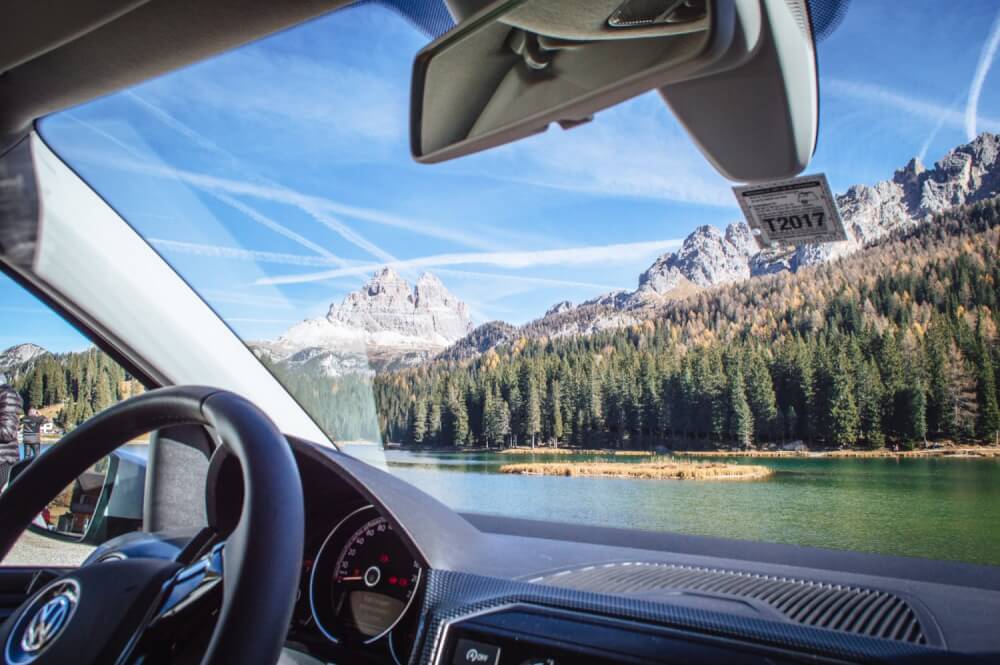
927	507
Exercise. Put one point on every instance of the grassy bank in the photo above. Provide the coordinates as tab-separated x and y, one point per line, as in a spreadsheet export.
643	470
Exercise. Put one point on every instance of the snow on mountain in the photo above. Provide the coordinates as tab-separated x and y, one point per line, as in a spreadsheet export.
18	355
382	324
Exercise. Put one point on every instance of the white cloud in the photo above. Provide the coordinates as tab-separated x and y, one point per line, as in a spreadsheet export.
238	253
312	205
926	145
284	90
221	296
576	256
921	108
524	279
269	223
240	319
322	217
986	57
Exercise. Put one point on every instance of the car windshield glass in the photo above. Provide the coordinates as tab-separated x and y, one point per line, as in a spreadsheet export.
580	326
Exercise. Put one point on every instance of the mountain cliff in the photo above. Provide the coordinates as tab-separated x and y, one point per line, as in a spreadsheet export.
383	324
710	257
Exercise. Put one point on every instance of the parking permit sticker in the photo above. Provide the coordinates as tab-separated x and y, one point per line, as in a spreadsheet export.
798	211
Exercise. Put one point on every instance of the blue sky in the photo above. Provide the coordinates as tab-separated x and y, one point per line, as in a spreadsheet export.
288	161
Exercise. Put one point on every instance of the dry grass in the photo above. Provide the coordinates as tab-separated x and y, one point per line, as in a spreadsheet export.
643	470
576	451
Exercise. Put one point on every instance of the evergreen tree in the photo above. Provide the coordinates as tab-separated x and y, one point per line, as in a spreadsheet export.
553	412
455	419
433	432
496	420
986	395
36	389
761	396
843	418
961	409
740	416
418	421
870	400
531	418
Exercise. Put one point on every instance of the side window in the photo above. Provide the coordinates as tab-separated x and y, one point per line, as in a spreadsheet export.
52	378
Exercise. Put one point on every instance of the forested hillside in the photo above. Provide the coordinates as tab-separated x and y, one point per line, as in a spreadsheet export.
896	343
81	384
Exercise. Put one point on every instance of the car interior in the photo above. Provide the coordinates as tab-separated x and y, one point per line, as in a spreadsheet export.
260	545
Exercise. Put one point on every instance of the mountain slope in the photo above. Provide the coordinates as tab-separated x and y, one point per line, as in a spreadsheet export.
711	258
870	351
18	355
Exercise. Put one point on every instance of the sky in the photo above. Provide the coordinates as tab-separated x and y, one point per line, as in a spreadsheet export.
277	177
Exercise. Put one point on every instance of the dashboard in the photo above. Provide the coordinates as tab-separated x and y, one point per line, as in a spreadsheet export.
392	576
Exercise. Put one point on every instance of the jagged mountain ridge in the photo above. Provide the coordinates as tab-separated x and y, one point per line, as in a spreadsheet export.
386	324
382	325
710	257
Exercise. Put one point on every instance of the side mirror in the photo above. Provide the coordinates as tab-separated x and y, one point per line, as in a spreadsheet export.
739	74
103	502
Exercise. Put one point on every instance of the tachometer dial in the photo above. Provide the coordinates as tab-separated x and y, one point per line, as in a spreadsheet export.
364	579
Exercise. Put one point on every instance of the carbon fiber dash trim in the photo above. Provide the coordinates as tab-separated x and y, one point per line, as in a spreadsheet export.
450	595
844	608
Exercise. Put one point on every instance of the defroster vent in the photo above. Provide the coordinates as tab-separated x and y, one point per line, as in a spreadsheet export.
849	609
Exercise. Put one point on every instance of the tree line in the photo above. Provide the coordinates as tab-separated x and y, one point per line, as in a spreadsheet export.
896	343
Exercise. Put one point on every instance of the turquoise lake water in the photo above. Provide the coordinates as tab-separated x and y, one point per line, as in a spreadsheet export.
928	507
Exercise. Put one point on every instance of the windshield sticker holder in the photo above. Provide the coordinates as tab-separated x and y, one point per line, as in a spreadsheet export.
798	211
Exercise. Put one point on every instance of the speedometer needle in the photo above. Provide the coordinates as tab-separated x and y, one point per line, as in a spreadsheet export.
351	579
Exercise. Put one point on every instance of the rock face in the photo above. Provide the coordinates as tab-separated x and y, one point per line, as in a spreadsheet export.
480	340
427	315
383	324
709	257
967	174
18	355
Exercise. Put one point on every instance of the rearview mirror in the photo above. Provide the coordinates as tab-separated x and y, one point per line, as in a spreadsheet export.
739	74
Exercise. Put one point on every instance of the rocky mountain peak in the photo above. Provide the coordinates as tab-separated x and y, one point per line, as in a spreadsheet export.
430	293
383	323
707	257
19	354
386	282
559	307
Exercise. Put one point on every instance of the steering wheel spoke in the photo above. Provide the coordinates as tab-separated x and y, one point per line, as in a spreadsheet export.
191	585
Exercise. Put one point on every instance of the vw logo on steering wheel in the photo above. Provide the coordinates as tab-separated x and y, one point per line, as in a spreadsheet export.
57	604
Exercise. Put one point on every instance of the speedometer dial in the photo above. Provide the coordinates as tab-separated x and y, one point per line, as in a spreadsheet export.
364	579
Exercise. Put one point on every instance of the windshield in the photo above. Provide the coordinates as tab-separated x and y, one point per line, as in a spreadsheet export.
579	326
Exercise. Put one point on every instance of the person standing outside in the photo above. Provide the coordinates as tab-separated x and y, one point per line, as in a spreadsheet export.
10	412
31	433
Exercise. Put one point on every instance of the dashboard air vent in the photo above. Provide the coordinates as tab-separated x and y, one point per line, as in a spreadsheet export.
848	609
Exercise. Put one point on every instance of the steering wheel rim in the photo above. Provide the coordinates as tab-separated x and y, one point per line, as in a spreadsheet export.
263	555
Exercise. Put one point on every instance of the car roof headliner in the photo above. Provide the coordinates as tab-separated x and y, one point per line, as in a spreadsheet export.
54	55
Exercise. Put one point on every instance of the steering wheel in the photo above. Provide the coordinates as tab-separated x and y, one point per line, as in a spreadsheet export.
98	613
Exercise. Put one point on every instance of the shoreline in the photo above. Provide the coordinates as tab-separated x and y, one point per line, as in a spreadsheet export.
642	470
612	452
981	452
951	451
